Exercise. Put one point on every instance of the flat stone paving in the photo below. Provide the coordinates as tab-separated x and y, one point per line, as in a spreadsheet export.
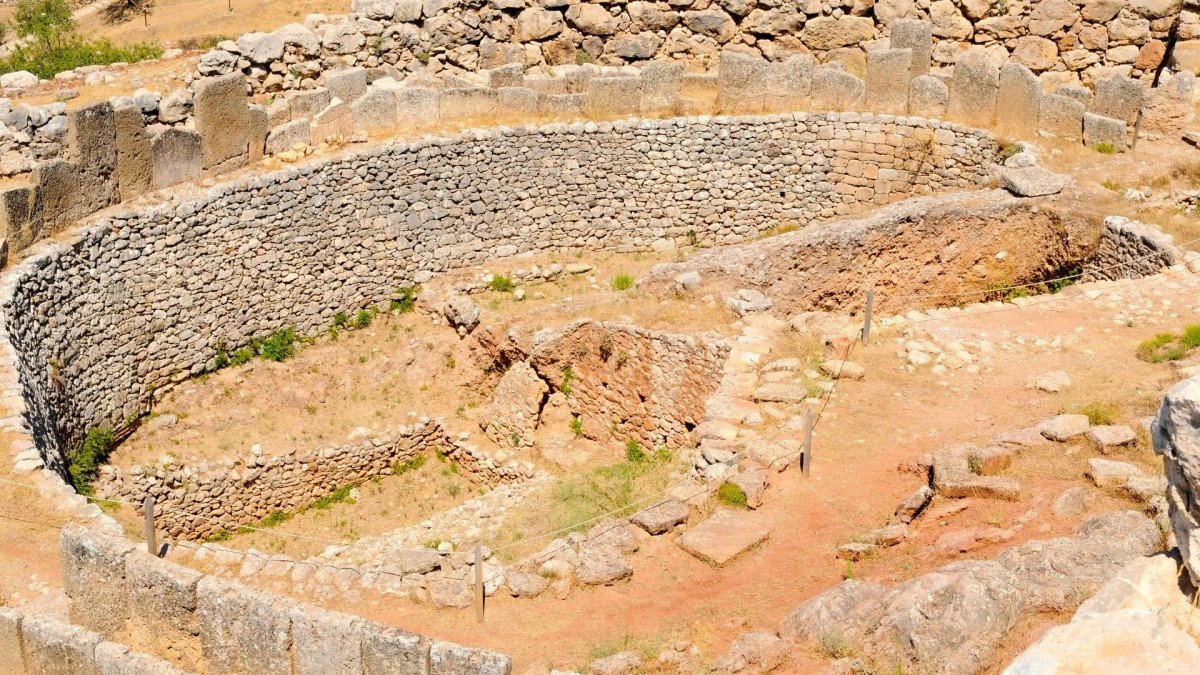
724	536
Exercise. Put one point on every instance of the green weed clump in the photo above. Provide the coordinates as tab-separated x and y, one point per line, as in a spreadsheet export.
405	300
615	488
1169	346
413	464
280	346
85	462
500	283
731	495
576	426
1104	148
338	496
623	282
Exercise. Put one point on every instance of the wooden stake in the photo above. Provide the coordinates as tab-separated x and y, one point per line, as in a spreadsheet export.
866	329
806	454
151	540
479	583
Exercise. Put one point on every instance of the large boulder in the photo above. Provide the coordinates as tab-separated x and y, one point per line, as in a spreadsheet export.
1176	433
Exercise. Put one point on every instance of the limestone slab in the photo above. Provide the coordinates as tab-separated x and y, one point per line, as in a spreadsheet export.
724	536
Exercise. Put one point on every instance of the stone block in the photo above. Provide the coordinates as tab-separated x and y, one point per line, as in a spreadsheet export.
789	83
888	79
661	84
20	217
387	650
61	201
285	136
1061	117
836	90
325	642
927	97
973	90
511	75
560	106
724	536
661	517
333	121
257	130
91	145
1118	97
347	83
56	648
309	103
447	658
135	163
1101	132
162	608
93	568
418	107
178	157
516	104
376	110
117	659
458	106
1018	101
741	83
12	654
243	630
223	121
610	97
917	36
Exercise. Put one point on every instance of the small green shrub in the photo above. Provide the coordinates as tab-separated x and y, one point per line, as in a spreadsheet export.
341	320
280	346
634	451
88	457
1110	184
731	495
221	360
241	357
693	238
275	518
1104	148
1191	336
1100	413
974	464
832	641
338	496
413	464
1008	150
568	377
405	302
576	426
1163	347
364	318
582	57
623	282
220	535
500	283
453	489
516	440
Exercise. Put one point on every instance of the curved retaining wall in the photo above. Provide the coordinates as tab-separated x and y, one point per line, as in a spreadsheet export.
139	299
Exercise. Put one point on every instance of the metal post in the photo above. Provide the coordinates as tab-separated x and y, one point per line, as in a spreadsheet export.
478	582
151	540
866	329
806	455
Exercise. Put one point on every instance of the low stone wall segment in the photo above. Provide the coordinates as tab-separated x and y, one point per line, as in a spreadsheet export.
196	622
142	298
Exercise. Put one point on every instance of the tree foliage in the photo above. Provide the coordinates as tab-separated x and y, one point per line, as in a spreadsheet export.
49	22
120	11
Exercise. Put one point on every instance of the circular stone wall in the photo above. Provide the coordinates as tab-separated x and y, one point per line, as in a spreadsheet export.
149	296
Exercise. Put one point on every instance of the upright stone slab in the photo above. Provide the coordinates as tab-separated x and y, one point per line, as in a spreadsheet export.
223	121
1018	101
93	569
789	83
178	157
418	107
286	136
347	84
257	128
135	165
54	647
447	658
388	651
888	80
973	90
836	90
375	110
91	145
162	608
516	104
243	630
917	36
1168	108
927	97
741	83
1118	97
661	83
326	642
511	75
560	106
20	217
609	97
467	105
1061	117
1100	132
309	103
59	183
12	654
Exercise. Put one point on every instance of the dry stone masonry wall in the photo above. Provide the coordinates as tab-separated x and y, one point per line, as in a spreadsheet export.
146	297
208	624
